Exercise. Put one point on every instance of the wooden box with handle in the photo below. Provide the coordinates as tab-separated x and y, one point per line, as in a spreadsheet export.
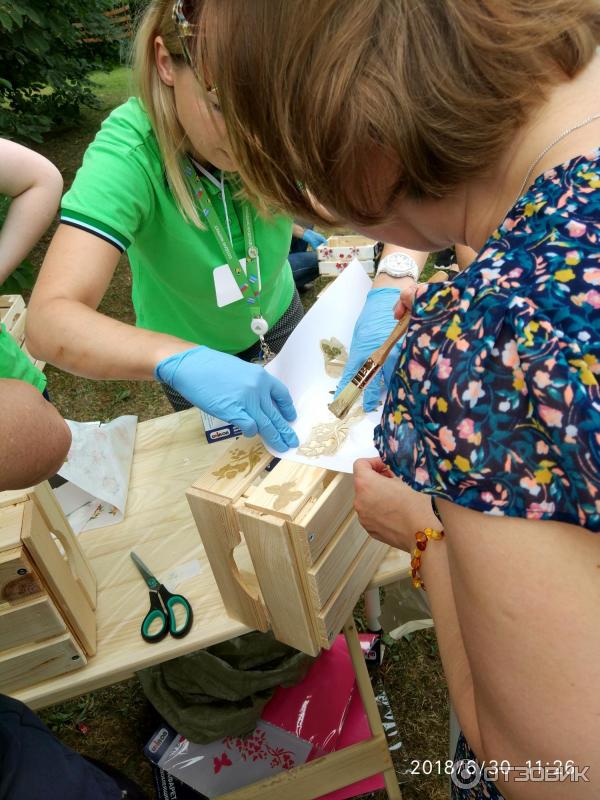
47	591
284	543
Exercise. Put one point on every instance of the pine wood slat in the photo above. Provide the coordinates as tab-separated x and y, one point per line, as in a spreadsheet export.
33	663
325	576
287	488
280	582
57	576
331	618
321	516
29	621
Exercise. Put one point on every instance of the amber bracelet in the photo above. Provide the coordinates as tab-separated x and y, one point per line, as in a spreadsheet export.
422	538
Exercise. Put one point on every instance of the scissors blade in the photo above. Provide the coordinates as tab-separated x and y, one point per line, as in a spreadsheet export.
144	571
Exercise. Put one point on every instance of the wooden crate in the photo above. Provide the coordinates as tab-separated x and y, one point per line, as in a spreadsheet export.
13	315
302	558
339	251
47	591
332	269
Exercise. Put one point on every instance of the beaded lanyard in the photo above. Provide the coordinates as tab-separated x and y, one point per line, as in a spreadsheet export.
249	283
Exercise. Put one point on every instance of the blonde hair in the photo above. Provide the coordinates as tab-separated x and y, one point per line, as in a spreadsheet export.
159	99
309	88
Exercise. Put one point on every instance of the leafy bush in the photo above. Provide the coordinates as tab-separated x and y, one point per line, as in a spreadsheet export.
45	62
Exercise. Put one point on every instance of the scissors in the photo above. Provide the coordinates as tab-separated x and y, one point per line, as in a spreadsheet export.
162	607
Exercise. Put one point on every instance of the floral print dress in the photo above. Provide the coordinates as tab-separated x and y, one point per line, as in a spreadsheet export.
495	400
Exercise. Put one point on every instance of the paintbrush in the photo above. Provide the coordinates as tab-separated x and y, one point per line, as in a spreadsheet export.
353	390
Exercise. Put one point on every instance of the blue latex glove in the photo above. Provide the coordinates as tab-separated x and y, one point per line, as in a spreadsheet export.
374	325
313	238
233	390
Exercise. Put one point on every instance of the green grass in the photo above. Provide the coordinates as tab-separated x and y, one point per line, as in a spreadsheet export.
119	720
113	87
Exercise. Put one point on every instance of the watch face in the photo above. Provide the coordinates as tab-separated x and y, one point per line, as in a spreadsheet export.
399	265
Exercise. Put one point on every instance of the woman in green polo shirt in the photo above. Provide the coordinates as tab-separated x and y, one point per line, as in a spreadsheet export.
212	288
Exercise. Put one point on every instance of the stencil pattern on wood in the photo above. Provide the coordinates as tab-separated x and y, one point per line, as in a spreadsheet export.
285	494
242	461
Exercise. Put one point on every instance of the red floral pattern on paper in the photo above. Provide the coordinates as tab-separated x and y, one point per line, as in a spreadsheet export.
219	763
256	748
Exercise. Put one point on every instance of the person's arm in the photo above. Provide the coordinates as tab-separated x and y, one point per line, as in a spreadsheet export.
308	235
383	280
515	604
35	186
464	256
35	438
526	595
65	329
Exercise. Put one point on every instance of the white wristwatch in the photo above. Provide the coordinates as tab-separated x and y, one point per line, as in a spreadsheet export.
399	265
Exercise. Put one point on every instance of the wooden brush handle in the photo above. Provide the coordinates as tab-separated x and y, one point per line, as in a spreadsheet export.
379	356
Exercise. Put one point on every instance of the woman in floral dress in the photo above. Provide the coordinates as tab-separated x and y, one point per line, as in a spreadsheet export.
426	124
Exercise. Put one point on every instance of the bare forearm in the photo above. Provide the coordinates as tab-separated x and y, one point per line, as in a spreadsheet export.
28	217
35	438
82	341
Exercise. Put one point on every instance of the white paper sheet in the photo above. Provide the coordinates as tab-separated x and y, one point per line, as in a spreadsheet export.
97	470
300	366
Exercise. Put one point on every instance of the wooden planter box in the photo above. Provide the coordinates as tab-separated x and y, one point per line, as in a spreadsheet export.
47	591
303	559
338	252
332	269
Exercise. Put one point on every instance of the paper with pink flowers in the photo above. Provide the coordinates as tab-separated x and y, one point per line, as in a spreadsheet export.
230	763
97	472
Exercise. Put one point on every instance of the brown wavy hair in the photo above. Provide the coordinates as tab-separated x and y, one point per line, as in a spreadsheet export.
310	88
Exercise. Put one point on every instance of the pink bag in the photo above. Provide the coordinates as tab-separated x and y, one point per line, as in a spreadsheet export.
326	710
315	710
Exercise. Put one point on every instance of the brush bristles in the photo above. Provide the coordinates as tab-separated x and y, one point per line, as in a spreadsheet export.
346	399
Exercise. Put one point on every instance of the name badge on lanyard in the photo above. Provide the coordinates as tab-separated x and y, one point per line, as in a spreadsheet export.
226	289
244	274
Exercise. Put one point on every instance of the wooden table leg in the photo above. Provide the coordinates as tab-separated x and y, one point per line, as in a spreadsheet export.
368	698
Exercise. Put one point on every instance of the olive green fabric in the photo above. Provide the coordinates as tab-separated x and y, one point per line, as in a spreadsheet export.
15	364
222	690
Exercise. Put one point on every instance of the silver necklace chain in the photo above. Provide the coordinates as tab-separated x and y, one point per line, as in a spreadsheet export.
549	147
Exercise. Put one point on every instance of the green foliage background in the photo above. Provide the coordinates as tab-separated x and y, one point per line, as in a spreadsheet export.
45	64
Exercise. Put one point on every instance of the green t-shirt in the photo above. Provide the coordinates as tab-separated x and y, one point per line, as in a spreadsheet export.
120	193
15	364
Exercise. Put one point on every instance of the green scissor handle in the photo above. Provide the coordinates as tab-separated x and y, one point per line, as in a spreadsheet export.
162	607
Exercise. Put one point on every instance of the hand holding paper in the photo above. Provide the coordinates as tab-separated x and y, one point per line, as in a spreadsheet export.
234	391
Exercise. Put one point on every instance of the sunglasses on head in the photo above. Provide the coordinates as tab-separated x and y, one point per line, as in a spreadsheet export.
183	11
